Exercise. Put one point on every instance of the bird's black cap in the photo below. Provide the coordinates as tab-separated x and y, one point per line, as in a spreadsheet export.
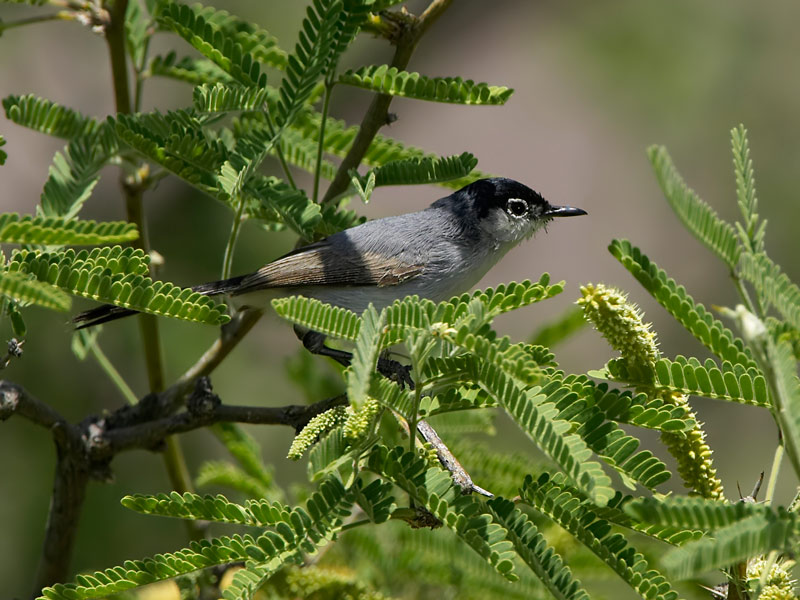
494	192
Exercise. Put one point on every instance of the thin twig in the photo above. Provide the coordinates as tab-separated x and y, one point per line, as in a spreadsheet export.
405	33
450	462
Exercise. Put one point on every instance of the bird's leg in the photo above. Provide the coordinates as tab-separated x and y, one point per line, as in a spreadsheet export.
314	342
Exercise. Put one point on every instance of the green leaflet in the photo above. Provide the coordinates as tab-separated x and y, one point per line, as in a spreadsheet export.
61	231
193	25
389	80
292	532
48	117
75	172
541	422
22	288
694	317
533	549
571	512
773	287
195	71
433	488
692	512
427	169
751	234
689	377
327	30
698	217
324	318
754	535
222	97
574	397
117	276
787	396
254	40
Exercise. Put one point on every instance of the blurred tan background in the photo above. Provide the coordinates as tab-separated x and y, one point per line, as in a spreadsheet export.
596	83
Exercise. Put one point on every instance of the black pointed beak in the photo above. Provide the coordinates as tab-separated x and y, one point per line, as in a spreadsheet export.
564	211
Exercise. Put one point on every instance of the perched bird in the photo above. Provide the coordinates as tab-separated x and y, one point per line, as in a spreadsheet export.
437	253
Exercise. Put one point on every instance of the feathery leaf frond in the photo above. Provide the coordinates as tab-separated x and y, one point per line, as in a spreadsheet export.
221	97
751	234
384	79
755	535
689	377
773	287
698	217
117	276
324	318
413	171
195	71
20	287
433	488
787	396
551	498
60	231
48	117
195	24
532	547
694	317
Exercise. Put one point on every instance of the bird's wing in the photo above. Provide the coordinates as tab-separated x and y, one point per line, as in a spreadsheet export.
324	263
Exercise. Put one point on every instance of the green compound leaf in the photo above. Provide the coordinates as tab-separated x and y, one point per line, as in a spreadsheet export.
365	355
694	317
433	489
574	397
698	217
389	80
48	117
755	535
540	420
414	171
222	97
533	549
339	137
692	513
292	533
61	231
616	512
552	498
689	377
196	25
117	276
773	287
752	232
257	42
195	71
787	396
135	573
73	174
641	410
324	318
20	287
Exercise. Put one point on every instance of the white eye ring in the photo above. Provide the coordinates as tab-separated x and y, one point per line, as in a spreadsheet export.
516	207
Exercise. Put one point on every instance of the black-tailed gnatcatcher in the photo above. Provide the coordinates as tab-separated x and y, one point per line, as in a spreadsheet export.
437	253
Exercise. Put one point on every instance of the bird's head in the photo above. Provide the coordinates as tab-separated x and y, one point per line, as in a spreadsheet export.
506	210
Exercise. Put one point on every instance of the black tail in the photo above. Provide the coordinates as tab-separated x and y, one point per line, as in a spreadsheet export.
110	312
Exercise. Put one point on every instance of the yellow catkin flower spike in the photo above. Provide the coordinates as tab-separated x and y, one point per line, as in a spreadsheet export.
621	323
779	584
317	426
359	421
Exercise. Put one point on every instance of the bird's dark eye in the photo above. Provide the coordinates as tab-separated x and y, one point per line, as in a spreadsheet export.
516	207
